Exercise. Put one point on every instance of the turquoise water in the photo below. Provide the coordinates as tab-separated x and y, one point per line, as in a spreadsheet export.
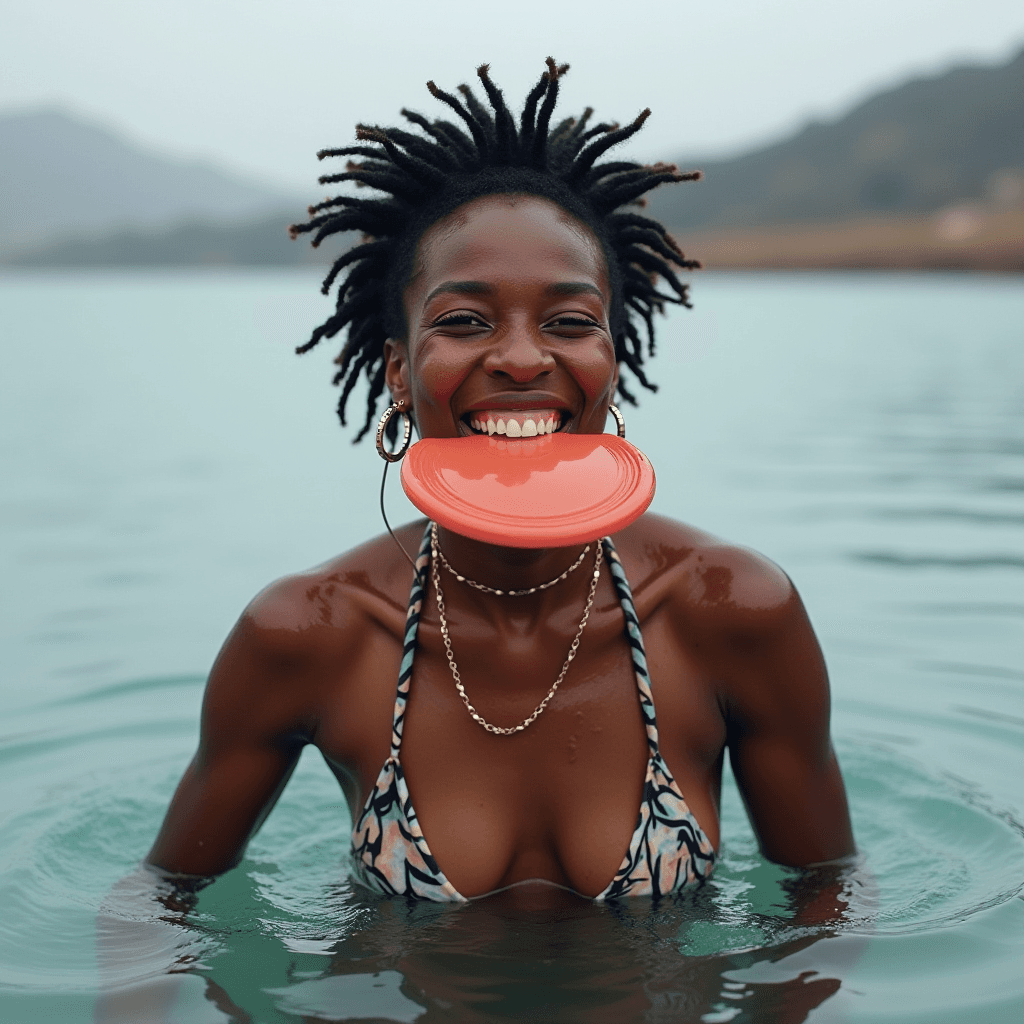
164	455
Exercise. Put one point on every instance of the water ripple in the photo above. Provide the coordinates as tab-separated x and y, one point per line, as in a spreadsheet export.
902	560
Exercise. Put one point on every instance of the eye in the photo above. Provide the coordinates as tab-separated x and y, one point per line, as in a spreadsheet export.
460	318
573	323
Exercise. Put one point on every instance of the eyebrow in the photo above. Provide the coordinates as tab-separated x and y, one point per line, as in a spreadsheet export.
482	288
460	288
573	288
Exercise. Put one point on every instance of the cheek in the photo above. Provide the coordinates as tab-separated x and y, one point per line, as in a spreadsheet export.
437	375
594	371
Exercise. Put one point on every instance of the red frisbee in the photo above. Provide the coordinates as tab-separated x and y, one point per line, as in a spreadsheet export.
539	492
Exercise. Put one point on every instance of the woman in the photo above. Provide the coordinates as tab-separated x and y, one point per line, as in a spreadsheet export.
496	289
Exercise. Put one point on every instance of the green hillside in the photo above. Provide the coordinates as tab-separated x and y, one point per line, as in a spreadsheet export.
915	149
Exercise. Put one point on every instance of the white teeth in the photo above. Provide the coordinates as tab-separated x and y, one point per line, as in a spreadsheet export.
524	424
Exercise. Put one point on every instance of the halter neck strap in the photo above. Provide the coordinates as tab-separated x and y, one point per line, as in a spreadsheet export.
412	625
636	643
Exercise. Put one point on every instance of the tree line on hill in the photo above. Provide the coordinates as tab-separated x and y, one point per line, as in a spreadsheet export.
930	173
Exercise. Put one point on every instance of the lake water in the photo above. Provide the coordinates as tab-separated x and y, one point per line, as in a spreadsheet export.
163	456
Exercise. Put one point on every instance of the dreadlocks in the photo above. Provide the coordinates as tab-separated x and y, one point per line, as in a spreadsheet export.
424	177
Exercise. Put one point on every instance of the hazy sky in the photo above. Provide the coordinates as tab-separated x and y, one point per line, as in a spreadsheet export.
259	86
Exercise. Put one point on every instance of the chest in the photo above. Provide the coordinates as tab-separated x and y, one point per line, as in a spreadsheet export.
560	799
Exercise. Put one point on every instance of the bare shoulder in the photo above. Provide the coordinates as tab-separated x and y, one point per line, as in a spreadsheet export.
326	613
704	578
733	608
738	616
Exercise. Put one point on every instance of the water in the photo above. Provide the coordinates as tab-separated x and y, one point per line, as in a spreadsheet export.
164	456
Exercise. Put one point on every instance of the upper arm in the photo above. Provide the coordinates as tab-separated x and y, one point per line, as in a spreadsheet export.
256	718
775	697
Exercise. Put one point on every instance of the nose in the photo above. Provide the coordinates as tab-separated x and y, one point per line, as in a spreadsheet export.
520	355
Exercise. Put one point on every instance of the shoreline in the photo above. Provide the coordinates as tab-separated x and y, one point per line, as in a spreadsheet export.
961	238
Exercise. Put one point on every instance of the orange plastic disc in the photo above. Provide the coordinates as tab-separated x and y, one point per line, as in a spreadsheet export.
541	492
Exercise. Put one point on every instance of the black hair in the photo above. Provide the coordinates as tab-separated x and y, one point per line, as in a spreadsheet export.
425	176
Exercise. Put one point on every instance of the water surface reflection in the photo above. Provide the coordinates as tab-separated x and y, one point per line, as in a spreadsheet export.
533	952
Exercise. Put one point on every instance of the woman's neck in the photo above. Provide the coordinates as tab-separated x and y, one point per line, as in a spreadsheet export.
505	568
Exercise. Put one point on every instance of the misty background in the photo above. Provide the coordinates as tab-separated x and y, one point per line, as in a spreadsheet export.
880	134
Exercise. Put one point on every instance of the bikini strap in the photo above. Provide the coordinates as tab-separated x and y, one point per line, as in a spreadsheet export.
412	625
636	643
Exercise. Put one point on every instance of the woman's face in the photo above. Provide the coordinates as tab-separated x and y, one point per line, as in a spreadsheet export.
508	332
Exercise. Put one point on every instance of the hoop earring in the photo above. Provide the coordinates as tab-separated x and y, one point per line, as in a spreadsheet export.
620	423
398	454
389	457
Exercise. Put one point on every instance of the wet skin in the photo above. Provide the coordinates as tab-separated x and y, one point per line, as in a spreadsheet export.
508	310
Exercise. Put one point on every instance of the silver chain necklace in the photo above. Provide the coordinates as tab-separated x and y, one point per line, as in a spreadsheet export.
492	590
500	730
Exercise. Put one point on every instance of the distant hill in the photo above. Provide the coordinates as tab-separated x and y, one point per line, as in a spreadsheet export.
925	175
61	177
925	145
262	242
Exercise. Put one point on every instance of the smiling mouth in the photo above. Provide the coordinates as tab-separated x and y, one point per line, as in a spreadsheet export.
516	422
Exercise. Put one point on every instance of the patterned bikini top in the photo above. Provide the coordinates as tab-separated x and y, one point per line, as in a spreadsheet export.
668	849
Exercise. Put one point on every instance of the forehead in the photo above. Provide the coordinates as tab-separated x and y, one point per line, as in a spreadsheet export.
509	237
